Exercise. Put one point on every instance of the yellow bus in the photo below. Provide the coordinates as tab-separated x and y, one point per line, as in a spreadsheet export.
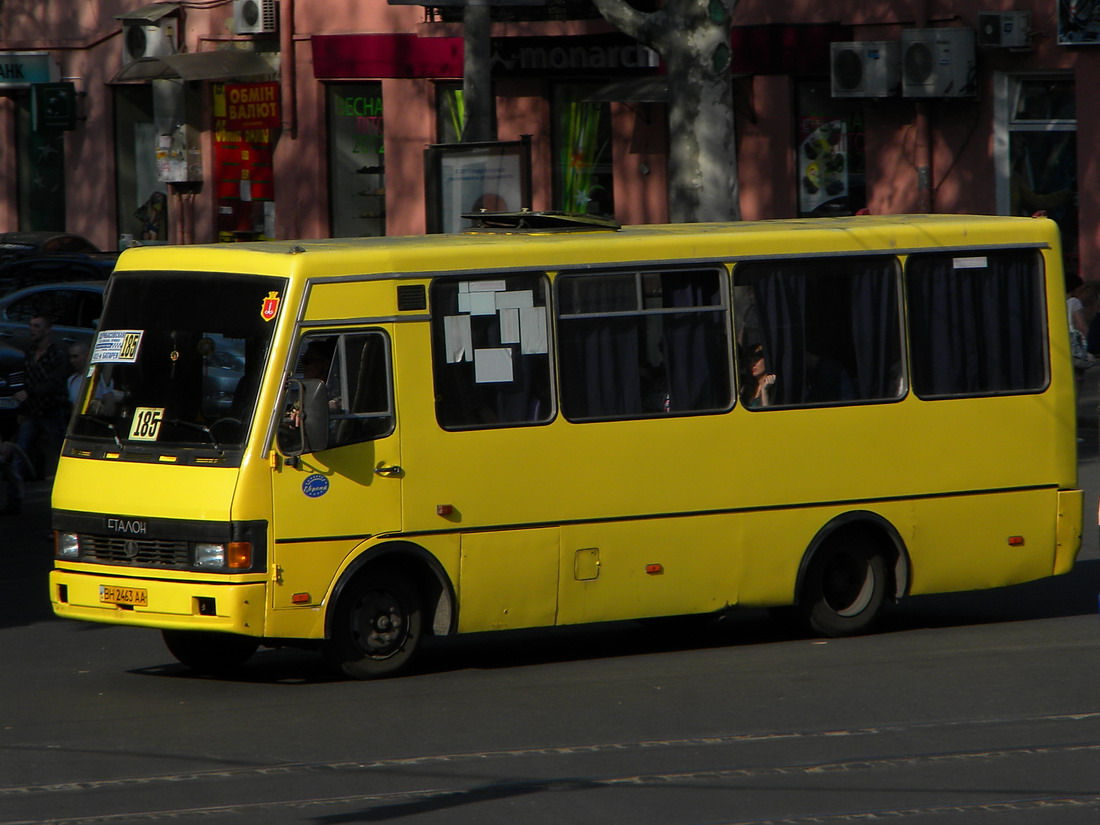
356	444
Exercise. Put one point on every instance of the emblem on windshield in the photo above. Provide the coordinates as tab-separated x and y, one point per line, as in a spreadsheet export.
270	307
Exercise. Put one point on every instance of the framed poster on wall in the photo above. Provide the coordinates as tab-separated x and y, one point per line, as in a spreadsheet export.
494	176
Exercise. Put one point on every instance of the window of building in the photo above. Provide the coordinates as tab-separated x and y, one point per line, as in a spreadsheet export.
643	344
355	367
142	198
450	112
820	331
581	141
1036	141
491	352
976	323
357	163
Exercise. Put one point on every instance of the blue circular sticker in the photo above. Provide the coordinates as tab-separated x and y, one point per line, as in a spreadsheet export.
315	485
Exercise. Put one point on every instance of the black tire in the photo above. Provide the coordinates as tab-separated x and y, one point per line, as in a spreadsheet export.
377	627
846	587
208	652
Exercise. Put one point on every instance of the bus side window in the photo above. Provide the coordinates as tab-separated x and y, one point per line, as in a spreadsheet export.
355	367
977	323
829	330
643	344
491	352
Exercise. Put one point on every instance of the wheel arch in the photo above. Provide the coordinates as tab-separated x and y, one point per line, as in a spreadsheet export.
423	570
870	525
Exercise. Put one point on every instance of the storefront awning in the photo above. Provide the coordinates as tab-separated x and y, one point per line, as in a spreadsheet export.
225	64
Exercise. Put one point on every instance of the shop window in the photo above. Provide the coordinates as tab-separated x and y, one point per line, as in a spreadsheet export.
581	135
357	163
490	352
819	332
831	168
450	112
976	323
643	344
41	173
142	199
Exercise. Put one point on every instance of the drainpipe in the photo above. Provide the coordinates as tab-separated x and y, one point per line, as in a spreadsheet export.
922	128
288	68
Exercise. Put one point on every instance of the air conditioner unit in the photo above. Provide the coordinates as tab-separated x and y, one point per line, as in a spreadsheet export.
1004	29
938	63
141	38
254	16
865	68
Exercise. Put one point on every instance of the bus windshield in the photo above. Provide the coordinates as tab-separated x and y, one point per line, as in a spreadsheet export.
177	361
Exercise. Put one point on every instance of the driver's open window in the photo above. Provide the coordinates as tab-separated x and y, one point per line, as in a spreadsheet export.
355	367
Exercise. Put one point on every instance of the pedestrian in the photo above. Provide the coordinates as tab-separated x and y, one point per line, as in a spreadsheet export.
43	403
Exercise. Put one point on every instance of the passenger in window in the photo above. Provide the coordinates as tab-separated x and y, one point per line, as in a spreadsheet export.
827	380
757	382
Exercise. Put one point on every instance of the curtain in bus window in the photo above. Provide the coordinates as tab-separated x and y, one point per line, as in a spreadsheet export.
626	351
830	330
977	323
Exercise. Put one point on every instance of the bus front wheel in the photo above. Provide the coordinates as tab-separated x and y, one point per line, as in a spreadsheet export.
208	652
377	628
846	587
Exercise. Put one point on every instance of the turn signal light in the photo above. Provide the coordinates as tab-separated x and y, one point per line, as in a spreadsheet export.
239	555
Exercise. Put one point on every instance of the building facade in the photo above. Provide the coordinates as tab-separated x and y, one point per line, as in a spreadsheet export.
224	120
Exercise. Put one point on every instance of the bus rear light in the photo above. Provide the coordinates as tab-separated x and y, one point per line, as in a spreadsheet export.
240	555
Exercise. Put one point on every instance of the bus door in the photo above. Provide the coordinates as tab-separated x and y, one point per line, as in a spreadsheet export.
326	502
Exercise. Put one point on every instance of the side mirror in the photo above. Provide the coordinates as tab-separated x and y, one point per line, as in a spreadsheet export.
304	428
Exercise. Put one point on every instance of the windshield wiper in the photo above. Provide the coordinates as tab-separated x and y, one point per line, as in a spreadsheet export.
202	429
109	426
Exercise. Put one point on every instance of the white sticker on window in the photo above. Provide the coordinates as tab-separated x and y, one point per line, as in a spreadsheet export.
458	338
487	286
533	331
116	346
509	325
519	298
482	303
976	262
493	365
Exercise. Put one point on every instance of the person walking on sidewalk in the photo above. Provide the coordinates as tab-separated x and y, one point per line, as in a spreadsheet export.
43	404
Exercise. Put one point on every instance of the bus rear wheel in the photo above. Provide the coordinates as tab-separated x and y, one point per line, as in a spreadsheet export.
846	587
208	652
377	629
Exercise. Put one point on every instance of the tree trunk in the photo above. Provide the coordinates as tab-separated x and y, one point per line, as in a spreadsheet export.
692	37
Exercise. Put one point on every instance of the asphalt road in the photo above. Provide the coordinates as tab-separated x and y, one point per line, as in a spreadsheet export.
967	708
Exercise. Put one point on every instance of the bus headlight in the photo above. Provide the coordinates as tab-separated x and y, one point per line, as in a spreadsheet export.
66	545
209	556
236	555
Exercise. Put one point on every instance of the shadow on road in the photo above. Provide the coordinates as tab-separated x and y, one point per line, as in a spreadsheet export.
1072	595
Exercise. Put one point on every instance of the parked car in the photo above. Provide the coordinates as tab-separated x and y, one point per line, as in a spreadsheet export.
22	244
17	273
74	307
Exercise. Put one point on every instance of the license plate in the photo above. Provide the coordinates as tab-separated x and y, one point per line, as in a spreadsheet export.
8	403
138	596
